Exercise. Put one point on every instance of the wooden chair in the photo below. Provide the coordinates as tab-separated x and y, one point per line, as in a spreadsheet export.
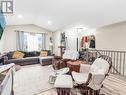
89	79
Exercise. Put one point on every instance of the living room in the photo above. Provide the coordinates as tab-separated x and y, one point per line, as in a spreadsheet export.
45	44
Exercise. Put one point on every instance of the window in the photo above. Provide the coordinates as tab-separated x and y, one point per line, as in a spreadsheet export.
32	42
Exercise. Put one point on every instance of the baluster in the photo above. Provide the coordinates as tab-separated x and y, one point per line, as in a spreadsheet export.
124	65
114	62
117	62
120	62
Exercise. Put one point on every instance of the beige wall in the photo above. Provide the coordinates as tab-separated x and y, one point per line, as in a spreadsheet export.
110	37
8	42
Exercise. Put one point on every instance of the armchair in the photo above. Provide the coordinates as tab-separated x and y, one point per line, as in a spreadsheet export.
90	78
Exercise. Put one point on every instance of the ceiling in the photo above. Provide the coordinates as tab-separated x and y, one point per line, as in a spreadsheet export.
62	13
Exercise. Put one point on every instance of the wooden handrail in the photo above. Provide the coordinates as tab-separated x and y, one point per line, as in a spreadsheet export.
118	59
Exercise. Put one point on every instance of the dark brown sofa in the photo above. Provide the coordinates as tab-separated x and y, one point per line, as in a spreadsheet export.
29	58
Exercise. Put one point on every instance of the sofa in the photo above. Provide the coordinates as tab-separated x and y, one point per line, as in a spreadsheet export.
28	59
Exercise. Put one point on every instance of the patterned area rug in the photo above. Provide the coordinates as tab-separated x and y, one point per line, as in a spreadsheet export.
33	79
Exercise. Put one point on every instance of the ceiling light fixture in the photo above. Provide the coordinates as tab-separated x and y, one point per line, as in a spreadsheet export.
20	16
49	22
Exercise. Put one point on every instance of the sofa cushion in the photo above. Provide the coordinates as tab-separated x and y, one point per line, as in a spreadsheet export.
48	52
18	54
43	53
31	54
70	54
24	61
63	81
10	54
80	77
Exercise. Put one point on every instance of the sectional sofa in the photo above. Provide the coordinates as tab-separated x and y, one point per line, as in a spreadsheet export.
29	58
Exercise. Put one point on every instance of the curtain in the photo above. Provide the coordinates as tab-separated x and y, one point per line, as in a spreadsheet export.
43	41
20	40
31	40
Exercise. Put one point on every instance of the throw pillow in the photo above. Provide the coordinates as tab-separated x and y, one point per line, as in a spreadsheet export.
17	55
43	53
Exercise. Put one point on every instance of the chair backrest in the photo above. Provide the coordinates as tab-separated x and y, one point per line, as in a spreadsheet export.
99	69
99	66
108	59
69	54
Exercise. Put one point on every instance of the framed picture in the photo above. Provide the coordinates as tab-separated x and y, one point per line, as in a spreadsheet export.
88	42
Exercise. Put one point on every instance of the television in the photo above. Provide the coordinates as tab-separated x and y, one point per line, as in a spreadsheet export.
2	24
1	32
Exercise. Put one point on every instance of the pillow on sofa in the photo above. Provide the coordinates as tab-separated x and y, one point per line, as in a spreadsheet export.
43	53
18	54
10	54
31	54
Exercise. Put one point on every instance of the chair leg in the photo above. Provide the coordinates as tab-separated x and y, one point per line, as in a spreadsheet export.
96	92
85	91
63	91
91	92
88	91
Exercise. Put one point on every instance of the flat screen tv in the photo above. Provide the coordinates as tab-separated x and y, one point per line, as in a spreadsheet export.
2	24
1	32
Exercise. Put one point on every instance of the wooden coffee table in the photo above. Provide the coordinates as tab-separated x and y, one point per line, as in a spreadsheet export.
75	65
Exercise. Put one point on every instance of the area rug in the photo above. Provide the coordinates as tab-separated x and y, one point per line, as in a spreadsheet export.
32	79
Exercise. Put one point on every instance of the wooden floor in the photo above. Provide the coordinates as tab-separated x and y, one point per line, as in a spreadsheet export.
113	85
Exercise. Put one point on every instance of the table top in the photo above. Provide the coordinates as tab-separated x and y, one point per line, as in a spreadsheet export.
78	62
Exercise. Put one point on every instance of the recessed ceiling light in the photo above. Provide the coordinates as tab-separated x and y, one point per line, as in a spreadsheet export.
49	22
20	16
81	27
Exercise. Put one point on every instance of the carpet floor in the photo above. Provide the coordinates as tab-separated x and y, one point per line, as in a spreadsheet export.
113	85
32	79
